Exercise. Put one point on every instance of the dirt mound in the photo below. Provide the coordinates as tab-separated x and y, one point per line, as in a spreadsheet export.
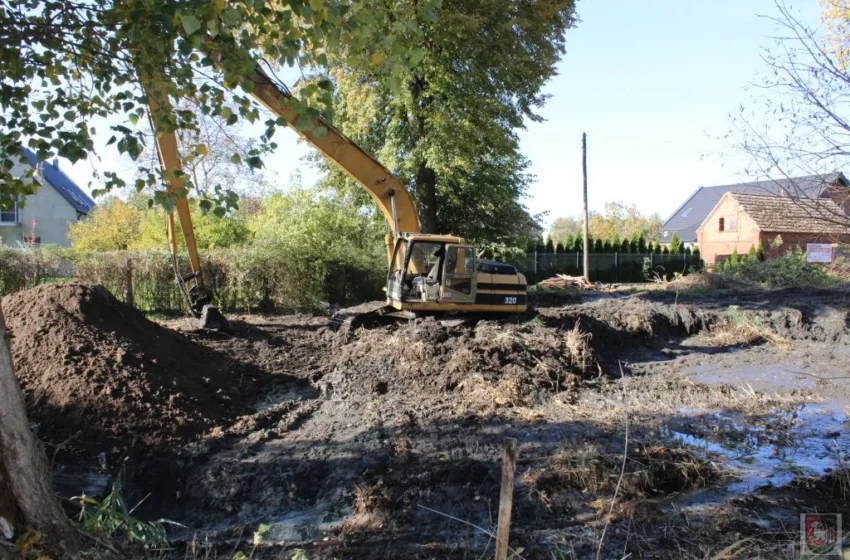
701	280
89	363
640	318
490	364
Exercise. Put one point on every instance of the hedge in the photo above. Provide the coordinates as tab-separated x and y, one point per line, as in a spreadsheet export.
257	277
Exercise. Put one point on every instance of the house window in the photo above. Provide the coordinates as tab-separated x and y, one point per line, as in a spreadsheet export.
721	224
9	216
733	224
686	212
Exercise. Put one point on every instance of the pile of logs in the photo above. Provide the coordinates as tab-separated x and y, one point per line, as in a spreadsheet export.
564	281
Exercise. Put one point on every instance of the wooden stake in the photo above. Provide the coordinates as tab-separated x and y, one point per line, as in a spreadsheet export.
506	498
129	298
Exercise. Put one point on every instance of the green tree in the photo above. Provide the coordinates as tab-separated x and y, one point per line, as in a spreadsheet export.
448	126
598	246
624	220
321	225
625	245
120	225
550	245
608	248
541	244
563	229
675	244
84	60
569	243
112	226
578	244
752	254
642	247
559	248
665	250
734	260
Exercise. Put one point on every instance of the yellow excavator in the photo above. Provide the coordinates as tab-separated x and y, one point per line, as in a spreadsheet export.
427	273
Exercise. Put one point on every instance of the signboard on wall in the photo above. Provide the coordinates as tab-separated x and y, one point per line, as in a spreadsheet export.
819	252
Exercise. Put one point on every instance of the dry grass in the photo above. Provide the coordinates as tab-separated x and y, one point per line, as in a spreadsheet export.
651	469
698	281
371	508
745	329
578	344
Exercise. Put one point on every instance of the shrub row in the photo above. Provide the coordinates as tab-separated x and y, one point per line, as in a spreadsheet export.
788	271
636	244
259	277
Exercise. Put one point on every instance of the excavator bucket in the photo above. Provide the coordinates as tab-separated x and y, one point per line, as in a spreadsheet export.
211	318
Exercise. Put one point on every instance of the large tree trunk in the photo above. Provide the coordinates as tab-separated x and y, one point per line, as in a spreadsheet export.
24	474
426	198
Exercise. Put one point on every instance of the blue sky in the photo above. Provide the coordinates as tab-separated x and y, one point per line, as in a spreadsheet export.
652	83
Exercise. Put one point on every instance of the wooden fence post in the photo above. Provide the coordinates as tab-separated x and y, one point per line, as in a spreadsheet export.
506	498
128	294
616	266
535	266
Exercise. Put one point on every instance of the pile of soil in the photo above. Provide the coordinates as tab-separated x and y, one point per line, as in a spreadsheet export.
489	365
88	363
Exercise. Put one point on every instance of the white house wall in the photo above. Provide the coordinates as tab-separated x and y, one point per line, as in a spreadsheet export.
53	213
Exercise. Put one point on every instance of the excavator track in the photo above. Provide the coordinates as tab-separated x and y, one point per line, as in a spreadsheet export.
367	314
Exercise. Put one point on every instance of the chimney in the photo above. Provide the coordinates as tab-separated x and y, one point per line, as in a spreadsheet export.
783	192
56	162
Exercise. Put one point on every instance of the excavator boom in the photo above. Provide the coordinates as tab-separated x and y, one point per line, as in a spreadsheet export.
384	188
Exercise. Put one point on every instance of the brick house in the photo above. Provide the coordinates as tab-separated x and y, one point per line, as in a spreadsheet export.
693	212
740	221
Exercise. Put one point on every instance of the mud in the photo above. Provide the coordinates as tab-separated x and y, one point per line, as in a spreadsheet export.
645	429
98	372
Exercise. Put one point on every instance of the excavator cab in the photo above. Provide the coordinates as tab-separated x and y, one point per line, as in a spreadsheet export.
431	269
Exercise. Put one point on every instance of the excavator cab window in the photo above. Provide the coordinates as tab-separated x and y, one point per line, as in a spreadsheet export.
424	270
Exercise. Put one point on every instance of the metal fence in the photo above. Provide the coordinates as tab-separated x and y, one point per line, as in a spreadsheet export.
609	267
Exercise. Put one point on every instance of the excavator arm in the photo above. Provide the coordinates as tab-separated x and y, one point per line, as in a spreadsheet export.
384	188
191	284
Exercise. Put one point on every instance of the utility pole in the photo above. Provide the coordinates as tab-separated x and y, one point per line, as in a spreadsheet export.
586	225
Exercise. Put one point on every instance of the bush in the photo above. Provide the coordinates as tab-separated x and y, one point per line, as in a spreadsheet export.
550	246
266	276
788	271
23	269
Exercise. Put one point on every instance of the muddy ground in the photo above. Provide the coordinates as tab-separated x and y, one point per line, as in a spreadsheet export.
651	424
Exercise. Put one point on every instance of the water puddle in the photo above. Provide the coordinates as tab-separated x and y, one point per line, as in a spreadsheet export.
806	440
